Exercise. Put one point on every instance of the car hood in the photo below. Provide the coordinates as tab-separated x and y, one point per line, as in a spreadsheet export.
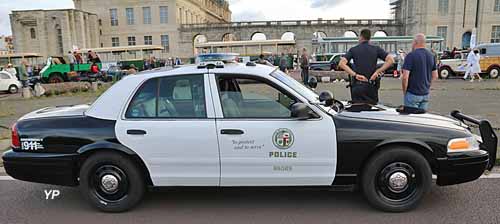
58	111
390	114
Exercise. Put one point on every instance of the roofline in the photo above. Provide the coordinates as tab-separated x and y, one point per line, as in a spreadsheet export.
50	10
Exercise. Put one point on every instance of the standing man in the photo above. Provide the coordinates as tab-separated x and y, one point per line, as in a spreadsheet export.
419	71
366	83
72	60
304	65
283	62
23	74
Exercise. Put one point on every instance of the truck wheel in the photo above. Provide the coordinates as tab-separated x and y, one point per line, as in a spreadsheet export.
395	180
55	79
13	89
445	73
494	72
111	182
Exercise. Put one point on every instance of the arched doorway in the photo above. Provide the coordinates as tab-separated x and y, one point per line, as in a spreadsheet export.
288	36
228	37
319	34
199	39
258	36
380	33
350	33
466	39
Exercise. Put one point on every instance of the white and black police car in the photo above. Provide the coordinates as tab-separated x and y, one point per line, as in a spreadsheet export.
240	125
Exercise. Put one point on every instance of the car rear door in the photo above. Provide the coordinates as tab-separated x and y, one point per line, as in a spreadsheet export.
261	144
170	124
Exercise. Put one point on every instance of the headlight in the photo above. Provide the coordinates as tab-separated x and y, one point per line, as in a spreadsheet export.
463	144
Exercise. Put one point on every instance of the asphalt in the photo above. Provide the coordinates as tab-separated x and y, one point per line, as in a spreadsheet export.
476	202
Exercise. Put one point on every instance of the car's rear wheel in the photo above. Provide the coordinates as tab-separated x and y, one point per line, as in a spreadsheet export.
494	72
444	72
111	182
396	179
13	89
55	78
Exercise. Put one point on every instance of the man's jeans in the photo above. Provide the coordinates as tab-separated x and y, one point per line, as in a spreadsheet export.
305	75
415	101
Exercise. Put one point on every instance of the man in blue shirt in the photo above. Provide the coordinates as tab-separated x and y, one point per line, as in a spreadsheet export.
419	71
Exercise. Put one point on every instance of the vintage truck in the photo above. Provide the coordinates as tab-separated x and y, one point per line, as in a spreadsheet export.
58	70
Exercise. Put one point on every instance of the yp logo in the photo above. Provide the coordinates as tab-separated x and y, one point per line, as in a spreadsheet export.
283	138
51	194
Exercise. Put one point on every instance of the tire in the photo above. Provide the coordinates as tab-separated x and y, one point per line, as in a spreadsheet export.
396	164
445	72
130	183
13	89
55	78
493	72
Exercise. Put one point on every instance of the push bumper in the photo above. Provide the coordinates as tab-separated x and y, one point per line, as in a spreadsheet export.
47	168
461	167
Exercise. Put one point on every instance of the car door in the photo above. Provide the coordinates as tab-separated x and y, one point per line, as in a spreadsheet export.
261	144
4	81
170	124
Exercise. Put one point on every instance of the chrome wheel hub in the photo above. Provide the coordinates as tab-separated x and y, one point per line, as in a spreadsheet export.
398	181
109	183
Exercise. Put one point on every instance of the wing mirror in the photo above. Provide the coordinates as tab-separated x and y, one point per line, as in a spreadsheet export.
326	97
312	82
302	111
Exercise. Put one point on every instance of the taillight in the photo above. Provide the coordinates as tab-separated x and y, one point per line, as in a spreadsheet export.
15	137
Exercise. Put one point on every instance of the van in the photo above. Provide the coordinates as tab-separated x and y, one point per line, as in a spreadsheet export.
490	58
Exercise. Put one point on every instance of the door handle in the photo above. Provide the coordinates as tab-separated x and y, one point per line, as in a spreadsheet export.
136	132
232	132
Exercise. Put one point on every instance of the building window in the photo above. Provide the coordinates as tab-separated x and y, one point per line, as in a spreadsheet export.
495	34
165	43
497	6
148	40
115	41
130	16
131	41
113	13
163	14
33	33
146	13
100	22
442	31
443	7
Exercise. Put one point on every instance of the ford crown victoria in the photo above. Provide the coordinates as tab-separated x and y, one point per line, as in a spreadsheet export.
241	125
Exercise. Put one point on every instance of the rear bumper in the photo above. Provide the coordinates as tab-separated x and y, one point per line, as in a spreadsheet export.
462	167
48	168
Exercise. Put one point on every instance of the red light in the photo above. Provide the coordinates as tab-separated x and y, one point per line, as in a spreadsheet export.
15	137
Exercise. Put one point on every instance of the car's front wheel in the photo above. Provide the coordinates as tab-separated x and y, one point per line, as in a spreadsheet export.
396	179
444	73
494	72
111	182
13	89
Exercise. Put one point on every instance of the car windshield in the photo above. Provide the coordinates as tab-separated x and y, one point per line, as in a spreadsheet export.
310	95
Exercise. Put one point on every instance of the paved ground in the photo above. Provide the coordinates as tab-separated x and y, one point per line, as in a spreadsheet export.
475	202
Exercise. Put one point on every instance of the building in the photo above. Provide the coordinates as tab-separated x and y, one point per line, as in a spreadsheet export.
112	23
136	22
53	32
453	20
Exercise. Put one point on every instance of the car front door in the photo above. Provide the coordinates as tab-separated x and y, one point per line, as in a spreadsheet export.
4	81
261	144
170	124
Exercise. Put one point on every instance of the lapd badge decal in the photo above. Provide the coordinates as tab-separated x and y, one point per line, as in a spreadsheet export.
283	138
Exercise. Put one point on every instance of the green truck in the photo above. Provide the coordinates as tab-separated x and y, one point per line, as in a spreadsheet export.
57	70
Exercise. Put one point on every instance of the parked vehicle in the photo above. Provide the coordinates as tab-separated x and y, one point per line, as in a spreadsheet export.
329	65
489	63
453	67
58	70
242	125
9	83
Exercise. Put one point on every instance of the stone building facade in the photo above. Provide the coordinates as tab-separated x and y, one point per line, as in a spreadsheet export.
152	22
452	19
53	32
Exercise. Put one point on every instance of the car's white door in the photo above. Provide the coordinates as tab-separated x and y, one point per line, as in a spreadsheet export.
5	80
170	124
261	144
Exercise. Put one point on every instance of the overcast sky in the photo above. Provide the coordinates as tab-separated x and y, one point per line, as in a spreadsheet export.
244	9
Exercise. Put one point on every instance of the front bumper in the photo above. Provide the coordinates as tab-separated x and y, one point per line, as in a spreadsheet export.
48	168
462	167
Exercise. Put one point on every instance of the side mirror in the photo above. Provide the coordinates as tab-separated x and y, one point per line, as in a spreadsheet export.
312	82
301	111
327	98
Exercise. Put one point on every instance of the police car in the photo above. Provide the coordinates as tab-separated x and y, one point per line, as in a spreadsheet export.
239	125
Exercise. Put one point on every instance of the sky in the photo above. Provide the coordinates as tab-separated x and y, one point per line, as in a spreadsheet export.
244	10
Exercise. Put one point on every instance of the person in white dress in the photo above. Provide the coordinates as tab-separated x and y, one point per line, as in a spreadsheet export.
475	67
468	66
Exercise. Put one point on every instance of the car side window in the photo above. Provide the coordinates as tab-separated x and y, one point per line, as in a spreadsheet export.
4	76
182	97
252	98
143	105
